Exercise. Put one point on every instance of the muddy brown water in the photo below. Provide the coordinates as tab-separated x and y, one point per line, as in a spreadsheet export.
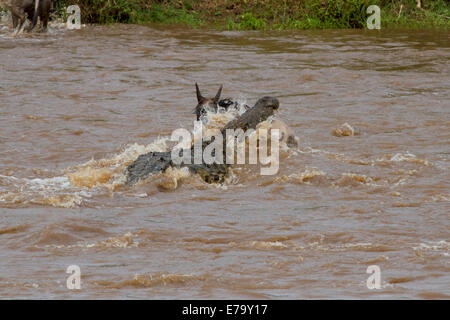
368	185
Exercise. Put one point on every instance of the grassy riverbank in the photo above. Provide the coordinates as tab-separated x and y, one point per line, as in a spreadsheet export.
264	14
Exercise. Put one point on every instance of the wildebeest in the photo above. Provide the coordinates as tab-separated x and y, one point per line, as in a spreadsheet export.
206	104
215	104
28	9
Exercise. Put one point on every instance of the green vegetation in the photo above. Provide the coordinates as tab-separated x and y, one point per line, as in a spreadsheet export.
131	11
264	14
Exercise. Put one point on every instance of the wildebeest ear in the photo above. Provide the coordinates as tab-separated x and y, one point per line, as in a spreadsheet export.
199	95
217	97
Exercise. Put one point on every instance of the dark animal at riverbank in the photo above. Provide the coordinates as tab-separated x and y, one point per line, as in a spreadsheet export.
28	9
155	162
42	11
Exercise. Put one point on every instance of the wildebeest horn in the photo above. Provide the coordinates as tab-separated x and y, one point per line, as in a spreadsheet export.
199	95
217	97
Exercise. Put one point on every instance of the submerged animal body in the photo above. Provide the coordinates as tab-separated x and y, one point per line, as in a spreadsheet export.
155	162
228	104
21	10
264	109
286	134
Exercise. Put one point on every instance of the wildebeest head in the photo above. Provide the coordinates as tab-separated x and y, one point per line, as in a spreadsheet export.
206	104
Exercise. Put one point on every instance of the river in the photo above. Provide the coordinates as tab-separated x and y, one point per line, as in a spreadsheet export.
369	183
